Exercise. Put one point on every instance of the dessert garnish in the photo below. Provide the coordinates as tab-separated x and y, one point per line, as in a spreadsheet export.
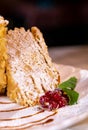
62	96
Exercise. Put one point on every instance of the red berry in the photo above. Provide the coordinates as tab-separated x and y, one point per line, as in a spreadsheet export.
53	105
56	96
63	102
43	100
49	94
54	99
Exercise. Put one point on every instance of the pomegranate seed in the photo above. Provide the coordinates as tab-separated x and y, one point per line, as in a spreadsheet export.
63	102
56	96
49	94
43	100
53	105
54	99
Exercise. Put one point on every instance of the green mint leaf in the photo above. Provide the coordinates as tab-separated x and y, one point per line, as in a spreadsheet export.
68	87
69	84
72	95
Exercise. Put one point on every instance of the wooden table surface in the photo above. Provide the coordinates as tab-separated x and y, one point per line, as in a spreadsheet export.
72	55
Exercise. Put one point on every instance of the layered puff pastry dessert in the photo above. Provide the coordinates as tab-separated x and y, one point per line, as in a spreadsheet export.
3	54
29	69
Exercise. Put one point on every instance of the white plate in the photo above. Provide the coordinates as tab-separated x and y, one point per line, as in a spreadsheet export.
13	116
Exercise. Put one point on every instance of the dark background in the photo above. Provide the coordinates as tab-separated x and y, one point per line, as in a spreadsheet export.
63	22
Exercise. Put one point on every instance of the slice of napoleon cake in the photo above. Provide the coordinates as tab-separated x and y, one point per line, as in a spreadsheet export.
30	71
